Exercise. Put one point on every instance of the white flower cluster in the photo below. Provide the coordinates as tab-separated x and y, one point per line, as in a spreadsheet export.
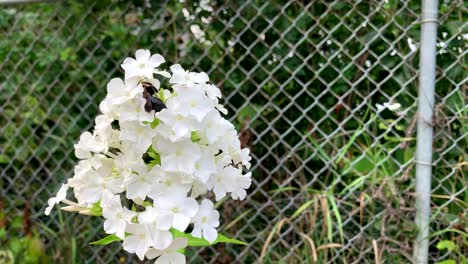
153	156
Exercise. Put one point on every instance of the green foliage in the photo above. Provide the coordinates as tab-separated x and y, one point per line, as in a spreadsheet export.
446	245
201	242
155	157
96	209
107	240
457	246
22	243
296	83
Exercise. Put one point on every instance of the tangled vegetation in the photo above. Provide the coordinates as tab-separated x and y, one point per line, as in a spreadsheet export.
333	176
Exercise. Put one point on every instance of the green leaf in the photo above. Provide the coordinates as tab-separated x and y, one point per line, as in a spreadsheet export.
15	246
446	244
448	261
448	230
195	136
2	233
201	242
107	240
161	95
319	148
301	209
96	209
155	123
155	156
344	150
364	165
225	239
331	198
3	159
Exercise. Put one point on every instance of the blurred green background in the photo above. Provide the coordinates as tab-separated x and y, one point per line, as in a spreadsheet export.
333	176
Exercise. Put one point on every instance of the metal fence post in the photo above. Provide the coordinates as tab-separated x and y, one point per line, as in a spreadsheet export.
424	135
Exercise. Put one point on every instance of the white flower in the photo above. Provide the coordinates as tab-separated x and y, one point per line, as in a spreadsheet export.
119	92
390	106
222	109
215	127
128	161
178	156
190	101
412	45
139	185
242	183
89	143
134	110
92	185
143	65
169	255
212	91
180	76
242	156
231	180
168	182
103	127
144	236
175	126
229	143
82	168
141	135
205	167
116	216
206	221
179	206
108	109
154	216
194	151
61	195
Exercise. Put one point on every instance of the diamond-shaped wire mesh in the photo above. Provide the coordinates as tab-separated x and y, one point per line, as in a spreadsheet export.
332	173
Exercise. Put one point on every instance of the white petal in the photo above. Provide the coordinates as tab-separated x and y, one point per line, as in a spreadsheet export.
379	107
142	55
219	192
134	244
207	204
120	232
153	253
180	222
394	106
164	259
171	258
127	62
110	226
147	216
197	231
163	73
163	240
141	252
179	243
240	194
52	201
164	222
156	60
201	77
190	207
115	86
210	233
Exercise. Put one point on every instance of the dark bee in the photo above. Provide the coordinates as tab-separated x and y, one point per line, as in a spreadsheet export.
152	103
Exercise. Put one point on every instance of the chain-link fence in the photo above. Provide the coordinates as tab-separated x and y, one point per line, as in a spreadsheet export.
333	173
